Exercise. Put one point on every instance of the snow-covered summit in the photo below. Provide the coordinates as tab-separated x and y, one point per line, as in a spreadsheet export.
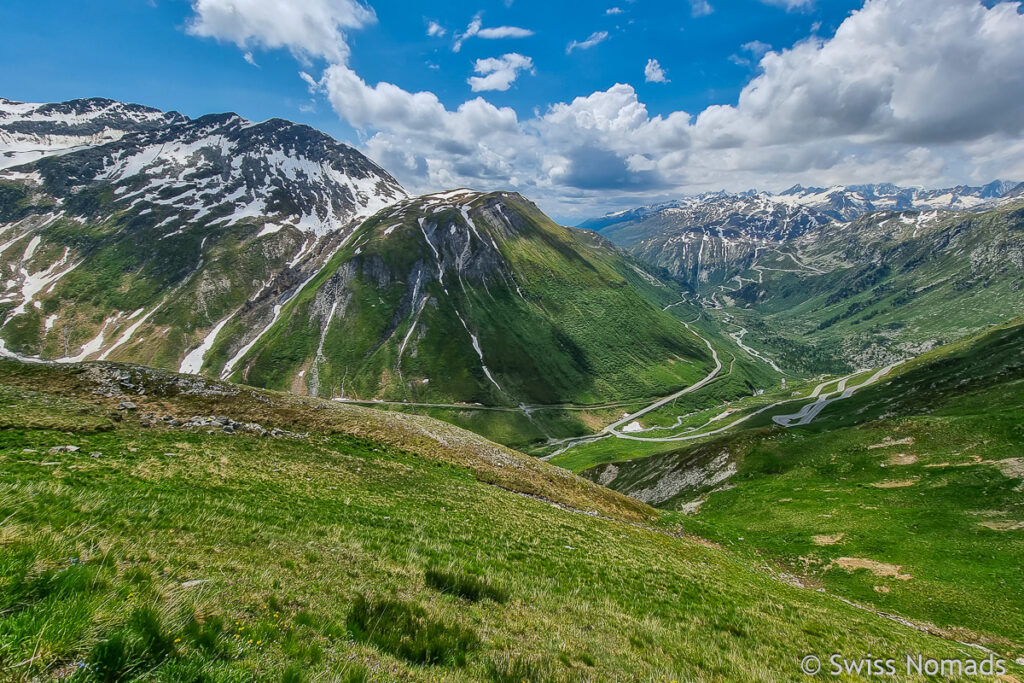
219	167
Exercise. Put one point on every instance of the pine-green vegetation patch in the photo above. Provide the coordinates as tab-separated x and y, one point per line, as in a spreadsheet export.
468	586
405	630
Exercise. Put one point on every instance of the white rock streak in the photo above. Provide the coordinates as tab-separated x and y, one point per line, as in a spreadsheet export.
33	283
92	346
229	368
479	352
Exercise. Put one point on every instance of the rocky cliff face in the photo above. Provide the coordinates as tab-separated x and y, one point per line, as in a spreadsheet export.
713	238
29	132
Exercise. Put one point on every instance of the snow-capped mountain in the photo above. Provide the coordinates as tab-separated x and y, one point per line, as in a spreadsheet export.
218	167
710	237
716	236
848	202
31	131
132	227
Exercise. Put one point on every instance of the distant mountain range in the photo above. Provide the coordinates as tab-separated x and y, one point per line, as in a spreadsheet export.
711	237
816	265
839	202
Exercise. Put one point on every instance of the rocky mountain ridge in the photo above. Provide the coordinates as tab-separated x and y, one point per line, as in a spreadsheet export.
129	231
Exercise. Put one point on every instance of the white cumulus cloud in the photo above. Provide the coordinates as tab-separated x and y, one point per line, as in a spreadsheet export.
757	48
595	38
476	29
908	92
499	73
653	73
311	28
700	8
791	5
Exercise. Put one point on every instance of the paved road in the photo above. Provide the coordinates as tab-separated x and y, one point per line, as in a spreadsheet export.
668	399
612	429
810	411
805	415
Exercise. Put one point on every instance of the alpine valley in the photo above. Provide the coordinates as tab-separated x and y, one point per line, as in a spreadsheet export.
291	422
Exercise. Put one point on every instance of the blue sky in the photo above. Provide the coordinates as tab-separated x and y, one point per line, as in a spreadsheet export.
185	55
139	51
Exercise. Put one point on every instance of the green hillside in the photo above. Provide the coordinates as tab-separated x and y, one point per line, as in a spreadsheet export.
356	545
478	298
920	472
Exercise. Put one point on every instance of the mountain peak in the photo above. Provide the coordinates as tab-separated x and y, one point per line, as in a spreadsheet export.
218	167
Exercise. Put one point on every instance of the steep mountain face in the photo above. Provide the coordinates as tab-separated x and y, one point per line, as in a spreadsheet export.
471	297
711	238
138	231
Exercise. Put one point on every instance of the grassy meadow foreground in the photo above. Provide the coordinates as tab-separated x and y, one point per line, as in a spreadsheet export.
140	543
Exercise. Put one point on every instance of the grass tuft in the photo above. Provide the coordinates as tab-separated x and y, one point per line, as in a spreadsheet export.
472	588
206	636
110	659
293	673
404	630
155	642
510	669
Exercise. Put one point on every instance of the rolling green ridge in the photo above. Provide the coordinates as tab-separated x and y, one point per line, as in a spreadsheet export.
374	547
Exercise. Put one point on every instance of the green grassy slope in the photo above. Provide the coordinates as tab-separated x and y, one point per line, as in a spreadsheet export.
371	549
559	315
921	472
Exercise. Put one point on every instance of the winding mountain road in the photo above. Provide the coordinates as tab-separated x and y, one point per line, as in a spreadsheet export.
612	429
805	415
